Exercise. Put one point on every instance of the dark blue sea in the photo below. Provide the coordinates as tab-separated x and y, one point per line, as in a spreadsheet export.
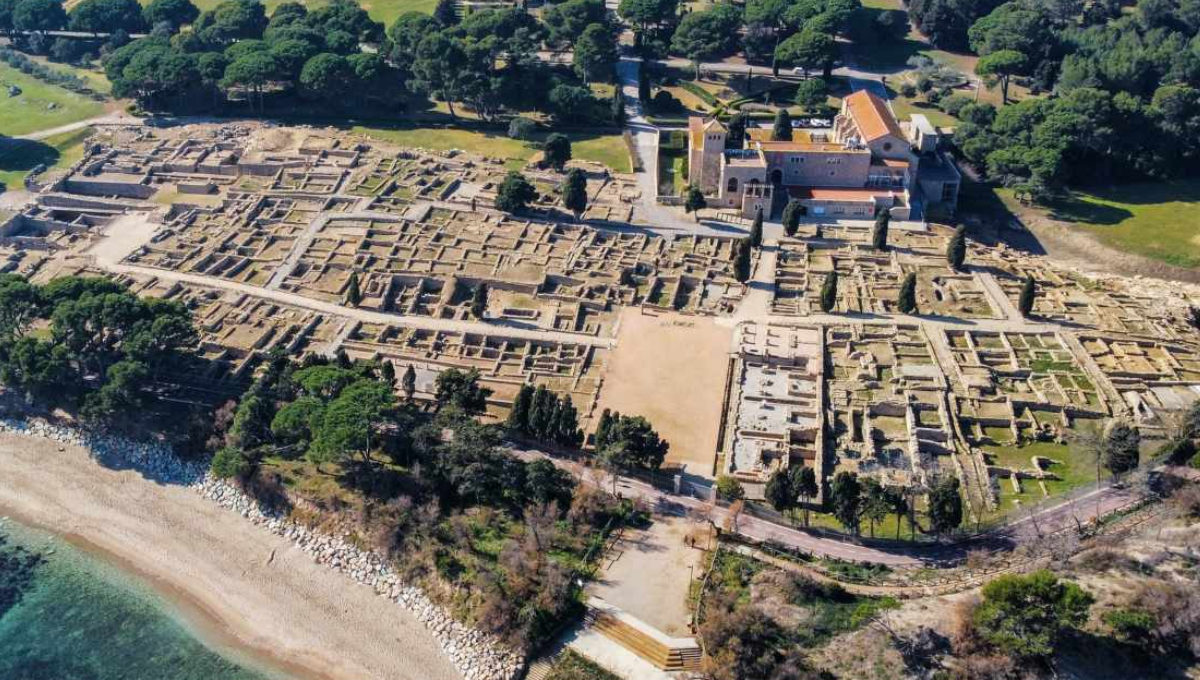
68	615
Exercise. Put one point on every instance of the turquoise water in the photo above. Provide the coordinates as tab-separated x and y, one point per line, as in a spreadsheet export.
67	615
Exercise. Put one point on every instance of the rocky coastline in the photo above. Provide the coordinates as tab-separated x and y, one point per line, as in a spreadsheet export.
475	655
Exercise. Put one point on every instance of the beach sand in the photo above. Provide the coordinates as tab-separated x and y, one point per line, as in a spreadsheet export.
237	583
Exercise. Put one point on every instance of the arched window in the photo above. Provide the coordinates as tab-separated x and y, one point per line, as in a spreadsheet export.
731	187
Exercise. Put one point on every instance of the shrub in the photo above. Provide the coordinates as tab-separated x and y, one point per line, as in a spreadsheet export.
521	128
730	488
665	102
1133	625
953	105
908	90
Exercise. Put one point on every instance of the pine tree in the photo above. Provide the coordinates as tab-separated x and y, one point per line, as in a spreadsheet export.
791	217
956	250
408	383
518	417
756	230
741	265
879	236
907	300
778	491
782	130
1028	294
694	202
479	301
829	292
446	13
353	294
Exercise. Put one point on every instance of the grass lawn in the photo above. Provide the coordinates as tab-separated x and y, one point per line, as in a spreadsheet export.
1075	469
607	149
1159	220
383	11
29	111
92	73
18	157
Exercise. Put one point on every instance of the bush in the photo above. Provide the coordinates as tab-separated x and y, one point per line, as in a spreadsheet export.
729	488
521	128
1133	625
230	462
704	95
665	102
908	90
954	104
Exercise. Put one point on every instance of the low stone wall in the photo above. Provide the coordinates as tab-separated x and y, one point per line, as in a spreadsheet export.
476	655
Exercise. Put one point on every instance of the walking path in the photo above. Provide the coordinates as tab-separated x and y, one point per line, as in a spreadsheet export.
114	118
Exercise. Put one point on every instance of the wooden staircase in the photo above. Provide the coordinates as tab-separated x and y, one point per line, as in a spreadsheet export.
667	654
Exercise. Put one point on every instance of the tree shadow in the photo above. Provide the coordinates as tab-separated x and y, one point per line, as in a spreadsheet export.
1074	209
23	155
1084	654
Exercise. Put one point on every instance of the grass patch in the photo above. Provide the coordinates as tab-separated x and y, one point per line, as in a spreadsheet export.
19	156
572	665
92	73
30	111
1159	220
607	149
383	11
1075	468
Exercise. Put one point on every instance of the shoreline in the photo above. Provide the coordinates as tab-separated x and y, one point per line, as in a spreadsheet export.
237	586
201	622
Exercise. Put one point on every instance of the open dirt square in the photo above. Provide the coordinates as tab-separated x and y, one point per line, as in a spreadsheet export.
671	368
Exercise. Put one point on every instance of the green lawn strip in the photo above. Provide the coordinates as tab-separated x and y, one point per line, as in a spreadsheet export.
30	111
19	156
1075	468
572	665
1159	220
608	149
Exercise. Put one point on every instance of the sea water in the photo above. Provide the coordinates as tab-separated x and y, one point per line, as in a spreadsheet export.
66	614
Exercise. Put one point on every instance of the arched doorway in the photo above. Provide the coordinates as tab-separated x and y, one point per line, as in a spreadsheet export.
776	176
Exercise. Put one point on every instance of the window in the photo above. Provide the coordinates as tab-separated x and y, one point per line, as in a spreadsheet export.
731	187
949	191
887	146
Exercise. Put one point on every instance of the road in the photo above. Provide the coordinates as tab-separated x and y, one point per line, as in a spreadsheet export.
114	118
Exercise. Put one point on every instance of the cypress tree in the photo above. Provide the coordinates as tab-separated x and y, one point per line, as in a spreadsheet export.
782	130
741	265
541	411
791	217
907	301
518	418
601	437
550	433
818	231
644	93
694	202
879	235
353	294
829	292
574	192
618	107
408	383
956	250
388	371
756	230
479	301
1028	294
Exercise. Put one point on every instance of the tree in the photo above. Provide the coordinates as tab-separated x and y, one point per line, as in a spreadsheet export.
231	21
707	34
353	294
829	292
632	442
446	13
729	488
811	94
945	505
741	262
574	192
461	389
518	417
694	202
408	382
545	483
39	16
879	234
809	50
567	21
107	16
479	301
782	130
845	495
229	462
643	85
779	492
956	250
521	128
350	421
295	422
595	54
326	77
1028	295
1001	66
177	13
876	505
1120	447
571	104
515	193
603	427
906	301
556	151
441	69
644	14
791	216
618	107
1024	615
804	486
251	72
756	229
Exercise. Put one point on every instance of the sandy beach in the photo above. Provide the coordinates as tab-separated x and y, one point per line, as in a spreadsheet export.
239	584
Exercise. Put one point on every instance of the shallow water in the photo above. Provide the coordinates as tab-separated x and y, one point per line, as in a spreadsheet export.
70	615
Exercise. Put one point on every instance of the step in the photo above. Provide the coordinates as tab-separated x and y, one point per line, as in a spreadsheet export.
665	653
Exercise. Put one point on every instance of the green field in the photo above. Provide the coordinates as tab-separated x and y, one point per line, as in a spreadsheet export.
607	149
18	157
1076	468
384	11
1160	220
30	112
